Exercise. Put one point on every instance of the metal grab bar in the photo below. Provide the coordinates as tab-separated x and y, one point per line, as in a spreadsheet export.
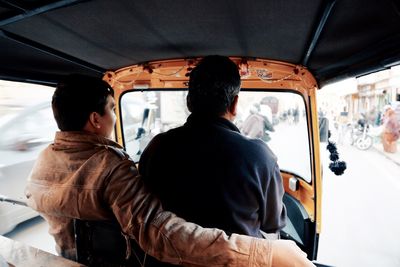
4	198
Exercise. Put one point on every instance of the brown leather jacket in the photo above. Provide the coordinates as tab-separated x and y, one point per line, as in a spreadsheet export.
81	176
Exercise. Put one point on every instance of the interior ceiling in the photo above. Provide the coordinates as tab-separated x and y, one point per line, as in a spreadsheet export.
43	40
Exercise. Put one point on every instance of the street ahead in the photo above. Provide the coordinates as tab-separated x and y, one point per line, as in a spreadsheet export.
361	211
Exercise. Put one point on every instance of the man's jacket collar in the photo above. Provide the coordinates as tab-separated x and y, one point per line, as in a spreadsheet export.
196	119
65	140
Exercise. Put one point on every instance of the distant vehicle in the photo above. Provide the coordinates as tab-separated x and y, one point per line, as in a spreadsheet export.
22	137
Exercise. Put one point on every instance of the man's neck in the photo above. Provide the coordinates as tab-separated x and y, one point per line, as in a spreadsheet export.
228	116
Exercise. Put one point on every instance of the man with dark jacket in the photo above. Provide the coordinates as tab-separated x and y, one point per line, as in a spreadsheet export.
208	172
86	175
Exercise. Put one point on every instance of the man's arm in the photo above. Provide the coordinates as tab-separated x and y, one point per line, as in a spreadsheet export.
171	239
275	210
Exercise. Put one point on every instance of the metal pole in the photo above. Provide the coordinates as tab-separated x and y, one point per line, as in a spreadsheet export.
4	198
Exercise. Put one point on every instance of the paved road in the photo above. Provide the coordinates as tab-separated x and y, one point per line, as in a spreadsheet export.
361	211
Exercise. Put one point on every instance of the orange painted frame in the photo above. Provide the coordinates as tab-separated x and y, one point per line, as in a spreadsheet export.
255	74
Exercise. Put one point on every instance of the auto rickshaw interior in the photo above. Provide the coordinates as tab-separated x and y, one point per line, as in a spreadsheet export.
144	49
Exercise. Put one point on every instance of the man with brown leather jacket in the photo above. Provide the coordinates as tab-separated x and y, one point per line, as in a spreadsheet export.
82	175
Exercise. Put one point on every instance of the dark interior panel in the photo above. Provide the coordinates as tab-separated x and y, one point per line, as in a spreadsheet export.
299	227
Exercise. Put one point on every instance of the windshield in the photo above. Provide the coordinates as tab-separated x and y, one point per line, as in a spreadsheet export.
277	118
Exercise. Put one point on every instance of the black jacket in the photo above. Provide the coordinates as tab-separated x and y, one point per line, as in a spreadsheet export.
210	174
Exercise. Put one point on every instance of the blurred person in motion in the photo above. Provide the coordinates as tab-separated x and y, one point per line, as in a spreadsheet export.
296	114
257	125
362	122
391	130
323	123
342	121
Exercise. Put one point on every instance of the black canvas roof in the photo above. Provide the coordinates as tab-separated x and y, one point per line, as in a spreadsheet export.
43	40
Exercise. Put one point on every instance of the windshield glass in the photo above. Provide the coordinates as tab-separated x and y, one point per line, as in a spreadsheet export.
277	118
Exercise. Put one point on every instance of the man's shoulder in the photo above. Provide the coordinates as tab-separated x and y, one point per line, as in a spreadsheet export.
168	136
120	153
162	141
46	155
254	147
110	156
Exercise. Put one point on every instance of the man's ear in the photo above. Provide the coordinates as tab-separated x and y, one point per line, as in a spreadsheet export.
233	107
94	120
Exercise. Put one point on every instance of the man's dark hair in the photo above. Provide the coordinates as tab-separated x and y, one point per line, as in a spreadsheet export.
75	97
213	84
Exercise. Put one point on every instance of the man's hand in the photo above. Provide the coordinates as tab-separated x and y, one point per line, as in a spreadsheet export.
286	253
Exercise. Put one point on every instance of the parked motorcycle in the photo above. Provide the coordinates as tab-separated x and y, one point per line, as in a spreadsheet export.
360	136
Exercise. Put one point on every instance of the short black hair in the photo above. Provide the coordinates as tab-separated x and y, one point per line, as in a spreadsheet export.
213	84
75	97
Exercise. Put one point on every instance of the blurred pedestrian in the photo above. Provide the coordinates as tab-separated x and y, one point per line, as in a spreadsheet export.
323	127
391	130
296	115
257	125
342	121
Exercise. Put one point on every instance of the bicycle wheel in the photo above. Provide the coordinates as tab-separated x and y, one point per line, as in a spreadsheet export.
364	143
